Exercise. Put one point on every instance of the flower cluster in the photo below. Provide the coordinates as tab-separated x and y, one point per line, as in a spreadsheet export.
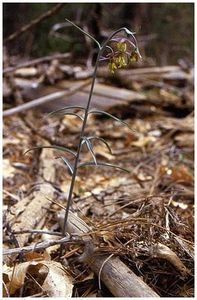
121	53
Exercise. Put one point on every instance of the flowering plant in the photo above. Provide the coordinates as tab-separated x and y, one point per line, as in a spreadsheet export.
119	51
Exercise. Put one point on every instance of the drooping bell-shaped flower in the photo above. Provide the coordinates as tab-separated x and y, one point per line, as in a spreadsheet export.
120	52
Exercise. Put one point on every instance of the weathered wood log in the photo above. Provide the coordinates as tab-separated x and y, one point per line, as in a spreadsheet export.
103	71
105	96
118	278
29	212
45	99
173	75
36	62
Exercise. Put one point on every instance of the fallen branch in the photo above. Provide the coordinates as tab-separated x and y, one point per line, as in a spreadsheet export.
38	231
42	100
36	62
118	278
38	246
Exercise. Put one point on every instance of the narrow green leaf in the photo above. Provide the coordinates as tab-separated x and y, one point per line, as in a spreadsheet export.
102	140
96	111
91	163
67	163
84	32
90	148
64	109
68	113
60	148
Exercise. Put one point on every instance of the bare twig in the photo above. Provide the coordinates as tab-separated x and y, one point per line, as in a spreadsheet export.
35	22
38	231
36	61
42	245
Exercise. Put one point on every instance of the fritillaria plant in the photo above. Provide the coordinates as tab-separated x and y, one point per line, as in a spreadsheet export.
119	50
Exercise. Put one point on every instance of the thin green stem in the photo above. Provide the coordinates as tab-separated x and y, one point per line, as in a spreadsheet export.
69	201
86	33
101	49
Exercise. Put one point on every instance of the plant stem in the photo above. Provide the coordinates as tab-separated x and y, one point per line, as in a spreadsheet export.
69	201
101	49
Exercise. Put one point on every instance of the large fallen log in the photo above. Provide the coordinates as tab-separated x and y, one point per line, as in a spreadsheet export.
118	278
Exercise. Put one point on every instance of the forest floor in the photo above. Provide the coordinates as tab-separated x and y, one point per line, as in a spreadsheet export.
144	217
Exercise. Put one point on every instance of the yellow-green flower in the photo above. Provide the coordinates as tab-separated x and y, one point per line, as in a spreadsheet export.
122	53
112	67
122	46
135	55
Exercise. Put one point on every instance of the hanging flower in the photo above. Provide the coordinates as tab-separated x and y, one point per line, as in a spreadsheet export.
120	53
